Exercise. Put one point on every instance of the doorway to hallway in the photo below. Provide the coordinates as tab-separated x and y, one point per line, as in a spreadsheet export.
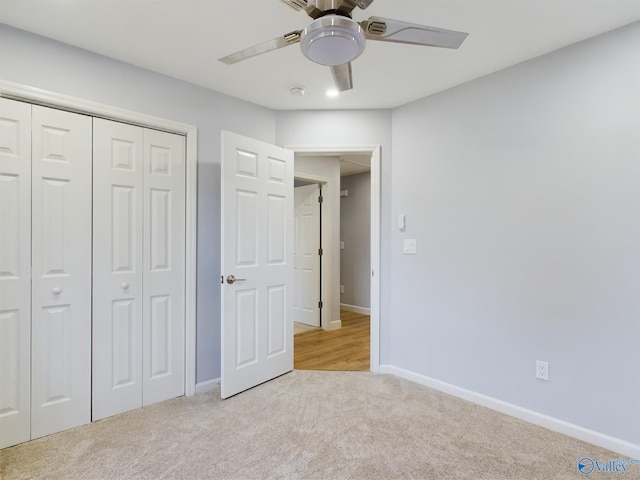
330	283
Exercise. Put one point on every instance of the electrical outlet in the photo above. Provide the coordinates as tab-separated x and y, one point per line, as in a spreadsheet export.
341	288
542	370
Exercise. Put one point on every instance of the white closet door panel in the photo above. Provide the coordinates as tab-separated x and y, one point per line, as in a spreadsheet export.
117	267
61	257
15	272
164	247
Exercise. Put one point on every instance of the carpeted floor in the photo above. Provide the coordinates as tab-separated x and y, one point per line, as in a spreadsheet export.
311	425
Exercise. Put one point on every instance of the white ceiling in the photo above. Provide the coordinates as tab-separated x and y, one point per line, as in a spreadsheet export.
184	39
354	163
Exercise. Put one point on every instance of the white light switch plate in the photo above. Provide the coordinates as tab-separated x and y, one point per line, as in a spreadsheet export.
409	246
402	222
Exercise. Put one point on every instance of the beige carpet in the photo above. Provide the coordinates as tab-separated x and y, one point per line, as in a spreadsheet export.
308	424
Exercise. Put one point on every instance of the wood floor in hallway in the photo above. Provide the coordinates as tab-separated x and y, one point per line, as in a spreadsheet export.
345	349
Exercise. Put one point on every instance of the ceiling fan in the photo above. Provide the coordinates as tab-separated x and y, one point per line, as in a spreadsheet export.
334	39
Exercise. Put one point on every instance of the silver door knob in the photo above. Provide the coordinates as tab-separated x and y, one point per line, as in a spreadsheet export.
231	279
124	285
57	291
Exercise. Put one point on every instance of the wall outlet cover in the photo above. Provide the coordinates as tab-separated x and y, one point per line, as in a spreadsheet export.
542	370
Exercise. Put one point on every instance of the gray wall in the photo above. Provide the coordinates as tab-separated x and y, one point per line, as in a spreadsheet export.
39	62
355	232
523	191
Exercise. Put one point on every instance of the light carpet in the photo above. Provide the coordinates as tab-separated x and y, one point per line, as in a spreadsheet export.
308	425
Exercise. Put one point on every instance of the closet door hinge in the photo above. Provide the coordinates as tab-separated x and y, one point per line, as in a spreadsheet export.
320	304
320	199
320	252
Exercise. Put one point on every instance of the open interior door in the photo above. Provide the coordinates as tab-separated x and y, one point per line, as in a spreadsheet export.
306	255
257	262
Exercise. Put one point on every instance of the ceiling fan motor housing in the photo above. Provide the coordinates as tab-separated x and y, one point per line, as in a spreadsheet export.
333	40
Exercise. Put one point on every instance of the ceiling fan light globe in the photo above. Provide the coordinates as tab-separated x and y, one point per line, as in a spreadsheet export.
332	40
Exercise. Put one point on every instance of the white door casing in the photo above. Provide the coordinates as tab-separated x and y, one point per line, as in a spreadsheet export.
117	267
306	256
375	237
163	324
257	249
15	272
61	270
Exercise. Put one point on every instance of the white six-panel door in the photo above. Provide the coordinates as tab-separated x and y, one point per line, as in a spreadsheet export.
139	244
117	259
15	272
257	250
61	271
46	272
306	257
164	266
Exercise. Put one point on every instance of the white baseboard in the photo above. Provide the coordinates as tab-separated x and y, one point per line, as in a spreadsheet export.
355	309
207	386
623	447
334	325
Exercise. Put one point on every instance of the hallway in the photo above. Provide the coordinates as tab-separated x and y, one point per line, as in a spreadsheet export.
345	349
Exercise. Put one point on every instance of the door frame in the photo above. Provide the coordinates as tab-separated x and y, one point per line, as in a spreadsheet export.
375	234
59	101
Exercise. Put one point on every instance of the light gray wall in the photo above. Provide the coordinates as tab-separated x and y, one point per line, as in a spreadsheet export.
39	62
327	167
523	191
355	232
346	128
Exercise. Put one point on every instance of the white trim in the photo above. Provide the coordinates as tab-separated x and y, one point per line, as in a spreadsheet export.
620	446
207	386
376	189
355	309
375	235
43	97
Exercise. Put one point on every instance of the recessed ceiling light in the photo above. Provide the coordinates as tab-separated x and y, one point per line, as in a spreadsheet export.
332	93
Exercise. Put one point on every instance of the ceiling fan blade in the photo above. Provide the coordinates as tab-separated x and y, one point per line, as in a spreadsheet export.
276	43
342	76
388	30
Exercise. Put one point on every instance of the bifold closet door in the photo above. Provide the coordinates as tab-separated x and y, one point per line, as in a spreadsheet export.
117	258
61	271
164	266
15	272
139	228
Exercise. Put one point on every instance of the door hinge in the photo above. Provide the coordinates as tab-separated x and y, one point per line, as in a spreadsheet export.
320	252
222	279
320	199
320	304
